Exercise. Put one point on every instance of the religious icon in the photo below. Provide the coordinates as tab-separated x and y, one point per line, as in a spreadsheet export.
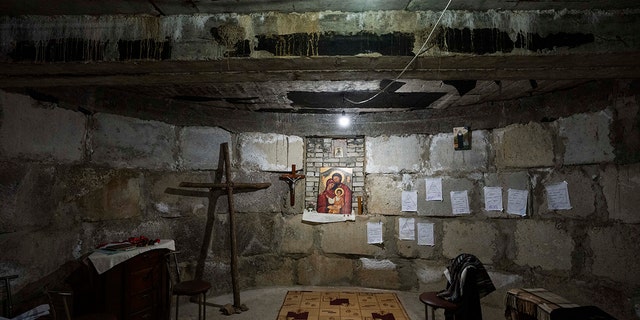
339	147
461	138
334	192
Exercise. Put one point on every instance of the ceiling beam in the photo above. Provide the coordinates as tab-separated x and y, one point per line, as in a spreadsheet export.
552	67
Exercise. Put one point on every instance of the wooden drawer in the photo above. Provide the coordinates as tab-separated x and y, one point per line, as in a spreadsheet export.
136	289
142	280
146	260
147	314
141	301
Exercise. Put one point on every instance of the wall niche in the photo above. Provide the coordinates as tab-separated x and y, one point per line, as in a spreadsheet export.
342	152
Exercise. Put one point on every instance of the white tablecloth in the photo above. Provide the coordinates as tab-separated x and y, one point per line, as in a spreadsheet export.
103	260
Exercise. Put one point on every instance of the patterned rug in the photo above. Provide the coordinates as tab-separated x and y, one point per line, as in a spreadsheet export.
341	305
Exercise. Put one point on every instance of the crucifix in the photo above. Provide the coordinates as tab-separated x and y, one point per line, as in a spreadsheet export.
291	179
217	189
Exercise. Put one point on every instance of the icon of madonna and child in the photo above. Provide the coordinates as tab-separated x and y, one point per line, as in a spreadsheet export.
334	194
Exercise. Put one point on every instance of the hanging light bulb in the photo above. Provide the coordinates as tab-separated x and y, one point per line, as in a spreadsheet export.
344	121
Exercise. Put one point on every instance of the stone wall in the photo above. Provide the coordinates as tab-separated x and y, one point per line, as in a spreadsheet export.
97	178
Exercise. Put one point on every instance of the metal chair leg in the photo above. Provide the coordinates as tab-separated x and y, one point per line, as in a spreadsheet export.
177	305
8	308
204	306
199	307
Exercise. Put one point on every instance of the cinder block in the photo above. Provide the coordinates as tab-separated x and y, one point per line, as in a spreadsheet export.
406	248
615	252
270	152
270	199
119	198
322	270
505	280
411	249
269	270
255	233
523	146
586	138
581	194
384	192
443	157
443	208
542	244
171	205
43	134
392	154
429	271
350	237
620	185
200	147
474	237
374	273
507	180
430	252
297	237
124	142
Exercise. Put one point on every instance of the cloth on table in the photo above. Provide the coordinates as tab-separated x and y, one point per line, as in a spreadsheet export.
103	260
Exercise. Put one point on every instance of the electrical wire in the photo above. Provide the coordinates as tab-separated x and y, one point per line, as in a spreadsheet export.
421	51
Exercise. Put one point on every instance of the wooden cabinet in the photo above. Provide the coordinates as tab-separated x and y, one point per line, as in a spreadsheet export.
136	289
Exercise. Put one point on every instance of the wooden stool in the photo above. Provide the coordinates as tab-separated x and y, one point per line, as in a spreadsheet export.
431	299
193	288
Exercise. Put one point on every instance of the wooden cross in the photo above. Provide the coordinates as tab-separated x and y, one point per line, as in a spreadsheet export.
217	189
291	179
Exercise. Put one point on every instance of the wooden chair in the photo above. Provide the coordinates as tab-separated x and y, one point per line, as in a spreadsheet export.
61	308
191	288
7	304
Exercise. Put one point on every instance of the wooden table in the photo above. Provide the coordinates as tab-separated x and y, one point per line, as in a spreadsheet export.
431	300
133	284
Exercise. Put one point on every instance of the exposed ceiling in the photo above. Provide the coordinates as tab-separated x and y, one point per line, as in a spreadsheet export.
317	84
176	7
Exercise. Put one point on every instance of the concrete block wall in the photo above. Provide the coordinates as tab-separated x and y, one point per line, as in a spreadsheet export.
564	248
82	188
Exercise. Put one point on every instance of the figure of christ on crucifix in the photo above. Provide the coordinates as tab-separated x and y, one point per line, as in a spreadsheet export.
334	195
291	179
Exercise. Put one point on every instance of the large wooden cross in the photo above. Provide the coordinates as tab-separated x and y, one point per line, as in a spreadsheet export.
217	189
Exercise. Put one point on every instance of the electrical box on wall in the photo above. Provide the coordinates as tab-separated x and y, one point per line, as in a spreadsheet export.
461	138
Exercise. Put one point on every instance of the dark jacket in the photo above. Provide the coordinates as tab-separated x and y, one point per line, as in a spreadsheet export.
469	281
